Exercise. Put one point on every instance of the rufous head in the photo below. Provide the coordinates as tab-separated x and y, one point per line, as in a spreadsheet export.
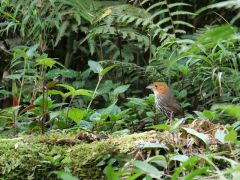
159	87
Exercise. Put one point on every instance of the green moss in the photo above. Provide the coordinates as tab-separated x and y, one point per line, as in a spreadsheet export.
36	157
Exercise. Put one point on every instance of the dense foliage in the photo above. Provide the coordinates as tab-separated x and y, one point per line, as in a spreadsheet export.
81	65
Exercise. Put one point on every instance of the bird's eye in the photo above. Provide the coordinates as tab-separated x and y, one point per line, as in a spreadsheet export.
155	85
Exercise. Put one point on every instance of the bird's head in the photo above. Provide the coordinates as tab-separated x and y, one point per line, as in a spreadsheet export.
158	87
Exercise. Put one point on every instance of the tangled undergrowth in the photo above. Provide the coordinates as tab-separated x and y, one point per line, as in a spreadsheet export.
187	149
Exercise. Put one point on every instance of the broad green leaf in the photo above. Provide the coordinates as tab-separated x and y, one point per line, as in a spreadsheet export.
32	50
177	124
48	102
112	110
150	114
209	114
188	163
160	160
231	136
213	35
137	101
55	92
95	66
68	94
86	125
121	89
65	176
196	172
76	115
20	53
210	38
232	110
83	92
201	136
105	70
179	157
182	93
14	76
70	88
148	169
95	117
110	174
60	123
47	62
210	162
5	92
155	146
55	114
121	114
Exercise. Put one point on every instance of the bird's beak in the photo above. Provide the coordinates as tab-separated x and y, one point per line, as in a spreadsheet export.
150	86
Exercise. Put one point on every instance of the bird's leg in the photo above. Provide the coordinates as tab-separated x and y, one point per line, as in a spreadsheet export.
170	118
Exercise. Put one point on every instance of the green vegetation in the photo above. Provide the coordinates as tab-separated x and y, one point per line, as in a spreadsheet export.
73	102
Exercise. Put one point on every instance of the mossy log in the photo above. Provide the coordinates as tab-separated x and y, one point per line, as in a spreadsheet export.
37	157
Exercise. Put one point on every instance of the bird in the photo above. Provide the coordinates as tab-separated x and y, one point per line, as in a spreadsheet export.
165	101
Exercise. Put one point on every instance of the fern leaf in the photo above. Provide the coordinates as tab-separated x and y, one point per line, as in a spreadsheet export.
159	13
156	5
178	4
163	21
176	13
183	23
235	4
61	32
144	2
166	29
235	18
138	22
131	19
180	31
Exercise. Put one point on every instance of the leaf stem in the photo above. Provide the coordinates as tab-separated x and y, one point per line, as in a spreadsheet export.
43	100
95	91
69	105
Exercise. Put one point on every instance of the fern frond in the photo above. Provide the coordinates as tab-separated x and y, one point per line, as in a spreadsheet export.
159	13
163	21
177	13
178	4
156	5
167	16
183	23
231	4
125	65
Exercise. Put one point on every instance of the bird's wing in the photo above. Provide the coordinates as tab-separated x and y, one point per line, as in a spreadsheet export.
172	104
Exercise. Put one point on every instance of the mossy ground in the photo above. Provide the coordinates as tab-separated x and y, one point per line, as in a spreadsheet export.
84	154
37	157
